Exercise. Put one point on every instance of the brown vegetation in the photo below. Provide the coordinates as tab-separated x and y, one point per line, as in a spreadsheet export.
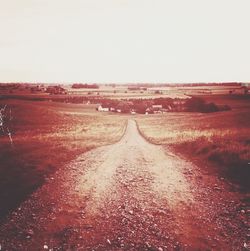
95	199
47	135
220	138
88	86
197	104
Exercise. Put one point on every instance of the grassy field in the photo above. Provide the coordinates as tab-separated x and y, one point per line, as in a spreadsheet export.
221	138
46	136
123	91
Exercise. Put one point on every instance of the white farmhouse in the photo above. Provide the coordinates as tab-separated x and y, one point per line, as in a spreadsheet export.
101	108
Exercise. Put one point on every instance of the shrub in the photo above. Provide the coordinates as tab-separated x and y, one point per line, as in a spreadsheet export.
196	104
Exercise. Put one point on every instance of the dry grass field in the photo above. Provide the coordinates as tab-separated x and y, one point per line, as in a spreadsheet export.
221	138
123	92
126	91
46	136
187	192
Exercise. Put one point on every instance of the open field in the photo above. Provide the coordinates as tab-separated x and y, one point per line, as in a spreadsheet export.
46	136
221	138
181	91
105	187
127	91
131	195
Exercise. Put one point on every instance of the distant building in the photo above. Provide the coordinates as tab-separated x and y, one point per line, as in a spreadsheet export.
101	108
157	106
149	110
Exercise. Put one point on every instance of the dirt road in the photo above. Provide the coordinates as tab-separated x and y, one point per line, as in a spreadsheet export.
131	195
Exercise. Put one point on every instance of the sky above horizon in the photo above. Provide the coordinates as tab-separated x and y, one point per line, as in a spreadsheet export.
124	41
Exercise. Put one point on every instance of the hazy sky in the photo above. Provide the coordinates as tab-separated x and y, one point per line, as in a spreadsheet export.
124	40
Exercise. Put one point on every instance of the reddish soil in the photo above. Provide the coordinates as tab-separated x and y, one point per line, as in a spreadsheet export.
131	195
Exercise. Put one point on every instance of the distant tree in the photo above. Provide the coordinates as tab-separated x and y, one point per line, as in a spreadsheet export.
125	106
195	104
224	108
165	102
210	107
141	106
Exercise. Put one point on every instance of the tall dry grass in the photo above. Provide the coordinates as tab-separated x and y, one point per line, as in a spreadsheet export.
46	136
222	138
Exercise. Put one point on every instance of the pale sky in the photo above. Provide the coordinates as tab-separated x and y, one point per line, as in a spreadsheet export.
124	40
